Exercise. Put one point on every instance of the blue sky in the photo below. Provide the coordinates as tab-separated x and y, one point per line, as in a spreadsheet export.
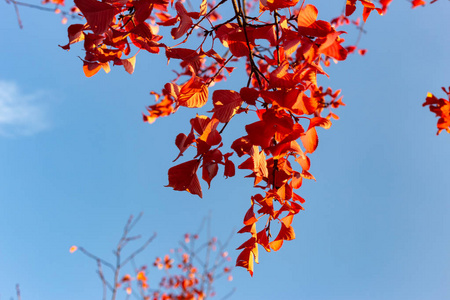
76	160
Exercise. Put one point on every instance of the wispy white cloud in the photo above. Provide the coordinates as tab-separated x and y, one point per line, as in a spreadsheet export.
21	114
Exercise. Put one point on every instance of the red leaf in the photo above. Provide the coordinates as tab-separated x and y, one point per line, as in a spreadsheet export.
199	123
257	163
332	47
183	142
416	3
226	104
245	260
143	9
250	218
242	146
250	243
185	21
232	36
249	95
183	177
276	4
180	53
99	15
307	24
210	134
263	240
75	33
229	166
209	172
142	37
248	228
350	7
260	133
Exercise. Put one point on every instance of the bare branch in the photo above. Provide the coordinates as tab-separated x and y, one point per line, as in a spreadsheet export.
142	248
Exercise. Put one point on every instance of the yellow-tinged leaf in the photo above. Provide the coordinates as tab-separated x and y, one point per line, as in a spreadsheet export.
193	93
129	64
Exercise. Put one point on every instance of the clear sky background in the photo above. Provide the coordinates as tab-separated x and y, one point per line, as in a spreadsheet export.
76	160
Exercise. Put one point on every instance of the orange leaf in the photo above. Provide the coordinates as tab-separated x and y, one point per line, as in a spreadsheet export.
286	233
203	7
91	68
310	140
322	122
307	175
141	276
193	93
296	197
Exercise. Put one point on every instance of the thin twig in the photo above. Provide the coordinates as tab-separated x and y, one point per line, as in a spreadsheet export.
102	278
277	30
16	8
96	258
18	292
142	248
38	7
229	294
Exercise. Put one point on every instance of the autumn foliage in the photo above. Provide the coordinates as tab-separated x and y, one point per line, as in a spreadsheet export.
284	48
441	107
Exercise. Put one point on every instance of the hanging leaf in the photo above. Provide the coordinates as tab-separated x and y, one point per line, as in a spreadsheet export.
183	177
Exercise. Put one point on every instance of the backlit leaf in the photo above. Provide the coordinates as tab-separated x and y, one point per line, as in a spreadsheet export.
193	93
310	140
99	15
226	103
